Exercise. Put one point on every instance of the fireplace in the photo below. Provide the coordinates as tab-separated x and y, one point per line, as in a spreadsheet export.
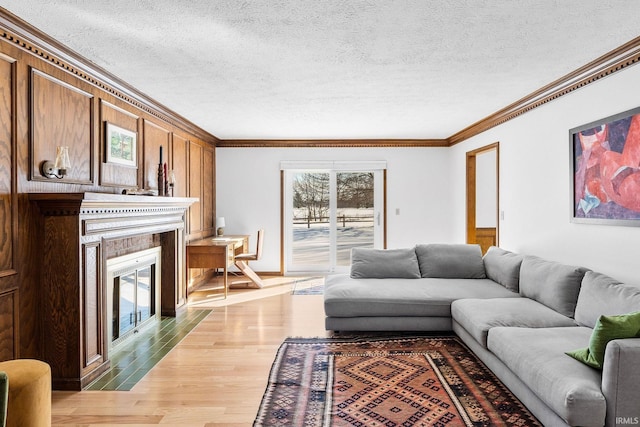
133	294
92	236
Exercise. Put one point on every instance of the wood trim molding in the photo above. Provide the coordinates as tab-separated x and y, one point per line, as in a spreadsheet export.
612	62
30	39
333	143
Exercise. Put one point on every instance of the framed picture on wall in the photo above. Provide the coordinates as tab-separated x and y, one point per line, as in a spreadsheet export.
605	160
120	145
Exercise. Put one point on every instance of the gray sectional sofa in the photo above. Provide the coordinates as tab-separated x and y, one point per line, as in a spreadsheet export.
519	314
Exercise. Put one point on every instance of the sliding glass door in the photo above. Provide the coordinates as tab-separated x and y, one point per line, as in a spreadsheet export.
330	211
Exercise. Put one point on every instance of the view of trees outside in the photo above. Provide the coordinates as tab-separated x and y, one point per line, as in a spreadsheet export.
354	216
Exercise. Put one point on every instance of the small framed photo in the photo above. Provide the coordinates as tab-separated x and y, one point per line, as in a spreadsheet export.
121	146
605	157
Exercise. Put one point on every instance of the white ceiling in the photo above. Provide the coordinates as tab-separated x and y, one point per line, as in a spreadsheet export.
335	69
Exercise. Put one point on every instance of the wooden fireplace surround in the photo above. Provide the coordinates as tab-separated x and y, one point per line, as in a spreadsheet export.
80	232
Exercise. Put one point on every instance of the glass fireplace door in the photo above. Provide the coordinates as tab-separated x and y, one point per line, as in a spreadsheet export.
132	300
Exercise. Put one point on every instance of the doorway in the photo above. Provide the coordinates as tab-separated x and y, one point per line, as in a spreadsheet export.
483	184
328	211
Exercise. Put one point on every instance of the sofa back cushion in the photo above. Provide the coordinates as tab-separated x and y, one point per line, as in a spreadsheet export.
551	283
367	263
503	267
603	295
451	261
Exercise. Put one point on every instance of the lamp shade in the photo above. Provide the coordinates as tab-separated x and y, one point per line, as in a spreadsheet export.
62	158
220	222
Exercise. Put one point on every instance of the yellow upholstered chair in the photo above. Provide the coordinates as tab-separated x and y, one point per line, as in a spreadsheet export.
29	397
4	398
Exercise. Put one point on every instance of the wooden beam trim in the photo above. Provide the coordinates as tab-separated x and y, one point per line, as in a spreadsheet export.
612	62
334	143
37	43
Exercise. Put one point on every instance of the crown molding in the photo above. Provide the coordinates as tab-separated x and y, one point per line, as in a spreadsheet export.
333	143
610	63
30	39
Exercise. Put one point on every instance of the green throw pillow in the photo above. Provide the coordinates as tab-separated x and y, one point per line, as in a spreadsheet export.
607	328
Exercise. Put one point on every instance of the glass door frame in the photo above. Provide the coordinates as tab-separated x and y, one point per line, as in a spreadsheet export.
289	168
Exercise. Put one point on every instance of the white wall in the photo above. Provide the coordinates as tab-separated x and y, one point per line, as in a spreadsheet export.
535	178
418	184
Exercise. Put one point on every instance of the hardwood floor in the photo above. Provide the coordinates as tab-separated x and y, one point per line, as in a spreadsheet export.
216	375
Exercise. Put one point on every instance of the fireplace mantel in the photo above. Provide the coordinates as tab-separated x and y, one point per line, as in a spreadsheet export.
75	203
79	230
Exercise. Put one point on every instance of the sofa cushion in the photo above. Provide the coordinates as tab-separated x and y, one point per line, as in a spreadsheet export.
478	316
458	261
551	283
607	328
348	297
503	267
601	294
536	355
381	263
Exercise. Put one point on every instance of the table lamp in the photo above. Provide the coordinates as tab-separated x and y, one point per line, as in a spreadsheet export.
220	224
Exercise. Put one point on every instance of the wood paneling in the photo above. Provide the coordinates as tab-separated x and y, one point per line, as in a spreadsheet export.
174	292
208	199
195	190
9	301
60	295
93	309
179	163
7	198
111	174
61	115
155	136
486	237
9	310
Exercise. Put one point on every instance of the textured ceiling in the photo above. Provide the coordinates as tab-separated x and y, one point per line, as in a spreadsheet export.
335	69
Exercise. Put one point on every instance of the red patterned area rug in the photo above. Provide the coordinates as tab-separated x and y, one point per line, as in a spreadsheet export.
366	382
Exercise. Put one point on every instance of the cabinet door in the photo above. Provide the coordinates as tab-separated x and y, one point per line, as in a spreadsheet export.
208	192
180	162
195	189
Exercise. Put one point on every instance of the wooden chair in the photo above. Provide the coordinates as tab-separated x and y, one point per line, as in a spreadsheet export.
242	261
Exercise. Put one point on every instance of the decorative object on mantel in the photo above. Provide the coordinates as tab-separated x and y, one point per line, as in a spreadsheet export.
172	182
220	223
138	192
120	146
161	170
58	168
166	180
